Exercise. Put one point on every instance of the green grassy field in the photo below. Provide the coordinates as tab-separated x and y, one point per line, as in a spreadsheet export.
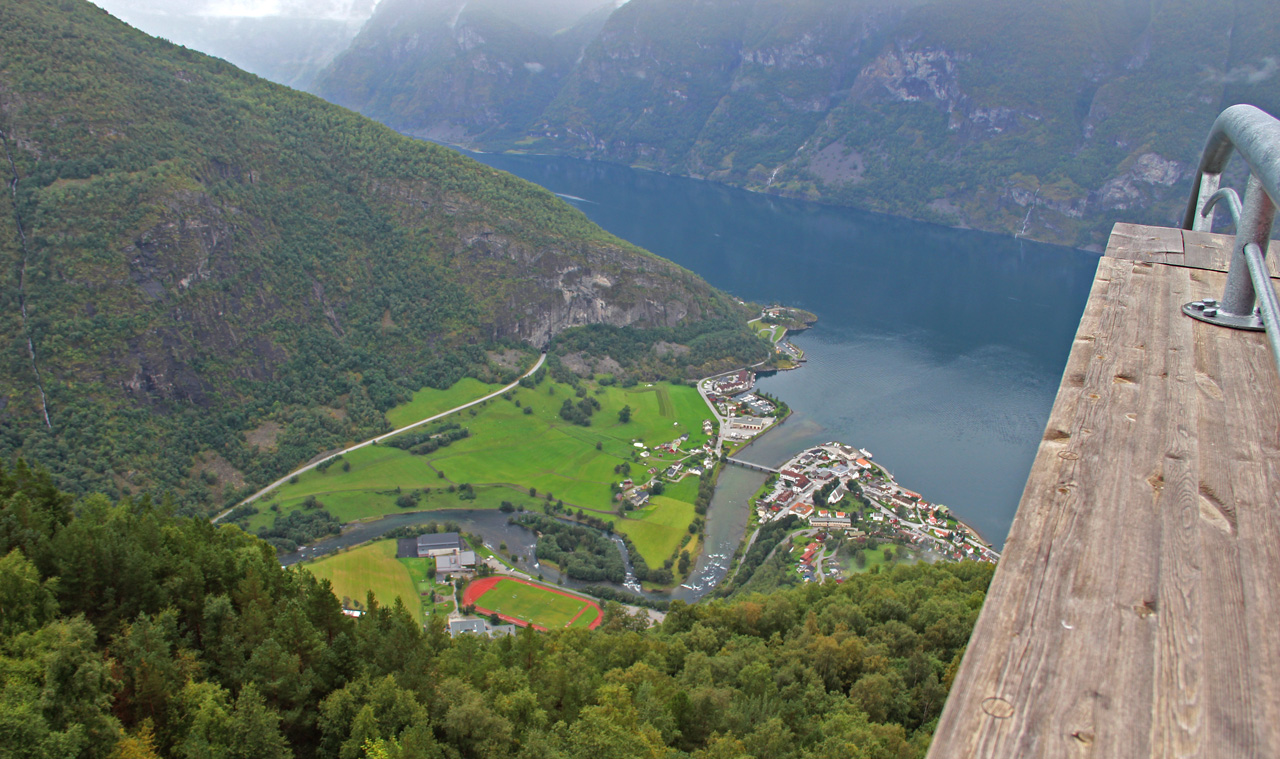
541	607
584	621
657	530
876	558
508	452
771	332
429	401
371	492
371	567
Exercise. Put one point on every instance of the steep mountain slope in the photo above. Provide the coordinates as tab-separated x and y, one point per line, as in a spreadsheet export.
1038	118
192	258
455	69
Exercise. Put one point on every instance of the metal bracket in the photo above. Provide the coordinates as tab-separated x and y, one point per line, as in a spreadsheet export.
1207	311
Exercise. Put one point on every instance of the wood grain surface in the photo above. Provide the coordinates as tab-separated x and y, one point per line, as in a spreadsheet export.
1136	610
1196	250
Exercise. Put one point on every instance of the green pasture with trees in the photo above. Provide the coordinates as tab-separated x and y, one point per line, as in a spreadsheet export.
520	448
429	401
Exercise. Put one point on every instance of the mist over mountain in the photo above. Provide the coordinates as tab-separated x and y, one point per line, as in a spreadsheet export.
1036	118
192	253
462	70
286	41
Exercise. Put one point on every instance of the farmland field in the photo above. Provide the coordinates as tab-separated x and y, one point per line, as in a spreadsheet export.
509	451
538	605
429	401
371	567
657	530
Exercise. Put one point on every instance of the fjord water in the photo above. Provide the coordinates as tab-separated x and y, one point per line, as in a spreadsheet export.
940	350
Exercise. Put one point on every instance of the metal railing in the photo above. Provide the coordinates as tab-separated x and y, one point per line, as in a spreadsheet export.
1249	299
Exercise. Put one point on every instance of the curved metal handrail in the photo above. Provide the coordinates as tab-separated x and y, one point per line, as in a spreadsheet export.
1255	135
1249	299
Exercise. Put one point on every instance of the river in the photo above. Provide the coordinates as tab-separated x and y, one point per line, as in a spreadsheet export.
938	349
493	525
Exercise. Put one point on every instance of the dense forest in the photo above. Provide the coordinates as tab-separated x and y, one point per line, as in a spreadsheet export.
581	552
131	632
206	279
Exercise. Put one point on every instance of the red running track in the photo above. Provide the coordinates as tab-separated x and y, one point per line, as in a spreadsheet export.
479	587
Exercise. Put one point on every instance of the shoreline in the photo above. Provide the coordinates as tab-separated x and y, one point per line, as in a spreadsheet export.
971	535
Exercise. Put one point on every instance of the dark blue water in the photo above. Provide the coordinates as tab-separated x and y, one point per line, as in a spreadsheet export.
938	349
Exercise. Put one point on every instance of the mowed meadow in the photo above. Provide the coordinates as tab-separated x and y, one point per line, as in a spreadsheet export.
429	401
520	450
370	568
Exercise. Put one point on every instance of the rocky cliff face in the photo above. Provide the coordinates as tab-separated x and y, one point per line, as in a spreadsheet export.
460	70
1035	118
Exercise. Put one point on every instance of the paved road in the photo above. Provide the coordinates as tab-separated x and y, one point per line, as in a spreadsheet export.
380	438
720	421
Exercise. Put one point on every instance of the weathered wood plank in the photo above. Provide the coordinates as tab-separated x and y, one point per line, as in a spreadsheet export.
1178	717
1134	612
1225	698
1203	250
1252	439
1195	250
1137	242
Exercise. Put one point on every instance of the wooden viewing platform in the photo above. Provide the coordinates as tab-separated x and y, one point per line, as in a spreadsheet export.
1136	610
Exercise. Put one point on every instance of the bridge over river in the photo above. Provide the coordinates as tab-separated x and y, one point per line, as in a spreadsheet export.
752	466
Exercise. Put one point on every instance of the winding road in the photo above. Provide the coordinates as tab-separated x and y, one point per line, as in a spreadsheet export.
542	358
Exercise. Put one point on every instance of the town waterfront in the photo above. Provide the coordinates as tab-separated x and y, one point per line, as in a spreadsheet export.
938	349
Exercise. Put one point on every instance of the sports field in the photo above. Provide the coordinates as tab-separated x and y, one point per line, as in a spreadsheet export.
371	567
521	601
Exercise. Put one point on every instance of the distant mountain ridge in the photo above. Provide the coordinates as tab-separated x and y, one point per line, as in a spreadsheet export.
1036	118
460	70
208	278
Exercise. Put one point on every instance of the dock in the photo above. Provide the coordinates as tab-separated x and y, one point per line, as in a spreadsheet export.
1136	609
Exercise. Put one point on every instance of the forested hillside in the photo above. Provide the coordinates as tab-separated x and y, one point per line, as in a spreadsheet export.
207	279
1040	118
128	632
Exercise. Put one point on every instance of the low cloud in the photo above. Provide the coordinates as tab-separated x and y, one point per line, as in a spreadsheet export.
342	10
1247	74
